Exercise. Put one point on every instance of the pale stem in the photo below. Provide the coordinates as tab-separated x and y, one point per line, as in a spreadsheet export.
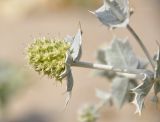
130	29
129	73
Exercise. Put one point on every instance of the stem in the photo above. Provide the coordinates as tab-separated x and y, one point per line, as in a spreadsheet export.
130	29
129	73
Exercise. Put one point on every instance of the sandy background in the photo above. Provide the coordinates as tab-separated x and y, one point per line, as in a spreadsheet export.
45	96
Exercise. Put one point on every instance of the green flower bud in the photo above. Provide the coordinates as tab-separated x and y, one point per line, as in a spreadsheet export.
48	56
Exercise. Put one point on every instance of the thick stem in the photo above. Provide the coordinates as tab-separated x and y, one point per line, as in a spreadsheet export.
142	45
129	73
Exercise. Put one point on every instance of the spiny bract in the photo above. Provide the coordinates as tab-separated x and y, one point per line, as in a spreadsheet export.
47	56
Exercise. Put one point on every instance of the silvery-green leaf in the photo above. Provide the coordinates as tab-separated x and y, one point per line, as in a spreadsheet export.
120	54
76	46
69	87
132	84
113	13
120	91
69	82
141	92
123	4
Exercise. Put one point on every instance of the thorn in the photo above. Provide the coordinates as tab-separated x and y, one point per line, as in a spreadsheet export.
80	27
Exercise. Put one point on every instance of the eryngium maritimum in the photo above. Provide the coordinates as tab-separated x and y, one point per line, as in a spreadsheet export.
47	56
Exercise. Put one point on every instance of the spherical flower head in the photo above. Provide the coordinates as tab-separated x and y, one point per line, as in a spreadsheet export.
48	56
88	113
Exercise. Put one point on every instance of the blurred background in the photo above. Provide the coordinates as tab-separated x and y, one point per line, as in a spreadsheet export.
34	98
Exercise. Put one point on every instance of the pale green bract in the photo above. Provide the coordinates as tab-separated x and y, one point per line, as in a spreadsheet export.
47	56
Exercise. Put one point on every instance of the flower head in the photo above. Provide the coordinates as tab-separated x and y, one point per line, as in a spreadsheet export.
54	57
47	56
88	113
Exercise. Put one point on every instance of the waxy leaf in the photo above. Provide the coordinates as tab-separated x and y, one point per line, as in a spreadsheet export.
76	43
74	54
120	91
120	54
69	82
141	92
113	13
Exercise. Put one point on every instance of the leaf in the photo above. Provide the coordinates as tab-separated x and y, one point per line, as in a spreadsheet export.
120	54
132	84
70	82
141	92
123	4
76	43
113	13
76	46
120	90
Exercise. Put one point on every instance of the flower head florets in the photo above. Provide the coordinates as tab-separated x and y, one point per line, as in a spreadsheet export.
48	56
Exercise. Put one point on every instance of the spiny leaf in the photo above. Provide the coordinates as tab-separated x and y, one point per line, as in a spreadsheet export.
69	82
141	92
113	13
76	43
120	54
120	90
